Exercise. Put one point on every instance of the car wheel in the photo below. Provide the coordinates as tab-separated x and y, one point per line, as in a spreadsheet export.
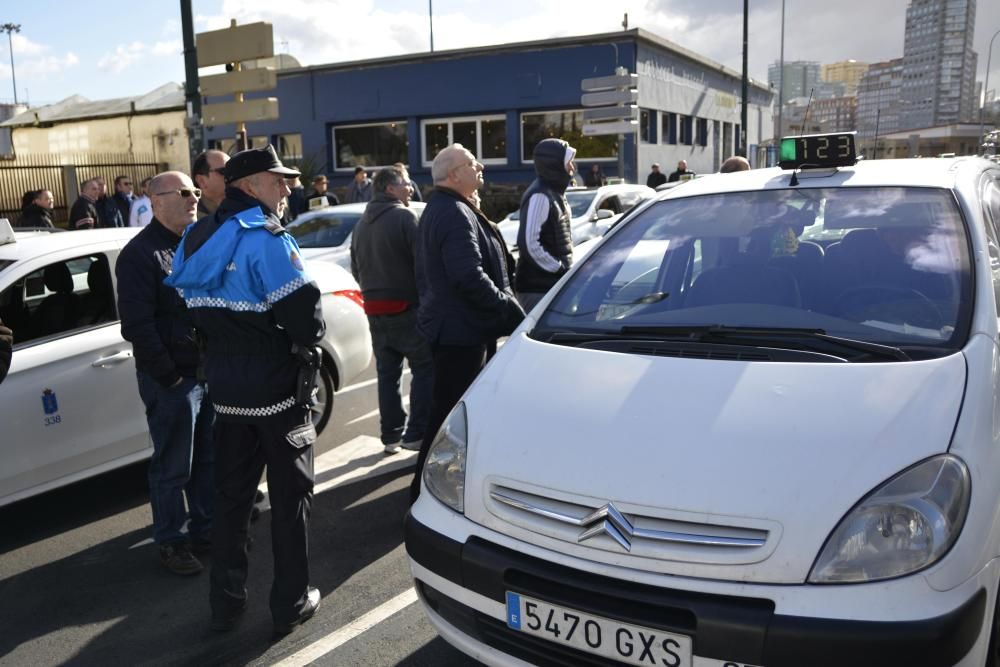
993	653
322	406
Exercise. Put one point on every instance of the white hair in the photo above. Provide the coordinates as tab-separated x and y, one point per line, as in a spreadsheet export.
445	161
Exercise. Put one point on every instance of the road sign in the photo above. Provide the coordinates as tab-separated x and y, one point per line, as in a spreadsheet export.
234	44
261	108
617	127
610	82
609	97
627	112
243	81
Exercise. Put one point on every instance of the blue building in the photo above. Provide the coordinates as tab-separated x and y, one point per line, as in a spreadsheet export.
500	101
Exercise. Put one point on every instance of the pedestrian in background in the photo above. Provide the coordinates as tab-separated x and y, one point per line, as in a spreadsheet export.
108	215
416	196
123	196
246	288
83	213
296	199
734	163
544	234
320	197
168	368
142	208
360	189
595	178
656	177
383	261
466	299
36	209
208	174
681	173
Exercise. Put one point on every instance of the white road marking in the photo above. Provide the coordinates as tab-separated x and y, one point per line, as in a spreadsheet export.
341	636
359	458
374	413
366	383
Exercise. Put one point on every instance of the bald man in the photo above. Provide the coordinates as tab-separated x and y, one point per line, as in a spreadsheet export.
735	163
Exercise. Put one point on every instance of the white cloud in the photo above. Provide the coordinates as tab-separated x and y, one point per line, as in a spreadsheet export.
26	47
46	65
172	47
124	56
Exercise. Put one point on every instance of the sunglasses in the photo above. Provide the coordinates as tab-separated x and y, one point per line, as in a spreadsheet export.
183	192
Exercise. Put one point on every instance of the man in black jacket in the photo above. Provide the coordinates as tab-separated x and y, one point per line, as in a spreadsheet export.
123	197
383	261
83	214
545	236
466	300
156	322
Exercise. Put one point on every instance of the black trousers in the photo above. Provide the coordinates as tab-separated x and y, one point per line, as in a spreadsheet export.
241	452
455	367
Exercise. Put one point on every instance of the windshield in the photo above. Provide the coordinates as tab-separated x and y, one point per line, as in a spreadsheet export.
884	265
579	202
324	231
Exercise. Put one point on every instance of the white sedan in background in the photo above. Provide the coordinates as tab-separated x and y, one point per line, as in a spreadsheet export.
326	233
70	406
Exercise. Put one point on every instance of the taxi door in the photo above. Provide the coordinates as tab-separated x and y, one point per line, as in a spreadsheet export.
69	406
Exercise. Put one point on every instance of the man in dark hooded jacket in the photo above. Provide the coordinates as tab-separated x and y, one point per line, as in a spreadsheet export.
383	261
544	236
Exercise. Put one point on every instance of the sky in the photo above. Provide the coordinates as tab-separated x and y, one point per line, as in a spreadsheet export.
102	49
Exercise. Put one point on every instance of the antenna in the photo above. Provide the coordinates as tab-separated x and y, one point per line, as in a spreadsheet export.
805	116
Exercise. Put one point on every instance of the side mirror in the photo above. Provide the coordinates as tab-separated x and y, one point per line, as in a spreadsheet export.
604	214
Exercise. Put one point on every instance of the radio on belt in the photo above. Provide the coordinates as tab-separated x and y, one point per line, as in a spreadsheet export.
818	151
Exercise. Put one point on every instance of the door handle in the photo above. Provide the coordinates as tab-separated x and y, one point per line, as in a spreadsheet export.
114	359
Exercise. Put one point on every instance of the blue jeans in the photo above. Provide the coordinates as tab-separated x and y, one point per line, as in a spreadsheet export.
395	338
180	425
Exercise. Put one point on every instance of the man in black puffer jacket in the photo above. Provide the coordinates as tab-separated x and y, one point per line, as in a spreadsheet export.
544	237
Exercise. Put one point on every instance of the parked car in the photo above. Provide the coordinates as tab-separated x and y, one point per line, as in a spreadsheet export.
716	442
70	407
593	210
326	233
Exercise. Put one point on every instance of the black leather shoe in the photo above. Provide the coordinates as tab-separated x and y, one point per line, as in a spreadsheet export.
226	622
307	612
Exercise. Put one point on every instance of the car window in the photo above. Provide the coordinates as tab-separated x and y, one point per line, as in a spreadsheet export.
629	199
579	202
611	203
323	231
897	274
62	297
4	263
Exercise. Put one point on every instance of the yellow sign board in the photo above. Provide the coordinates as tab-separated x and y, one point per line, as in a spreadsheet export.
247	111
232	45
243	81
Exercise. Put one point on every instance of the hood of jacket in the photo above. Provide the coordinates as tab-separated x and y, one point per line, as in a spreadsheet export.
551	156
208	246
378	206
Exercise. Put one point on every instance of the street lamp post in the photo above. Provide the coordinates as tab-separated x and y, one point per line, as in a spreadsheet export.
9	28
986	83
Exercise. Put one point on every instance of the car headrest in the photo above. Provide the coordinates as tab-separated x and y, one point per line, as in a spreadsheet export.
58	279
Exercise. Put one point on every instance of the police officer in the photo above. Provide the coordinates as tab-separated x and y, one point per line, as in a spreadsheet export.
244	283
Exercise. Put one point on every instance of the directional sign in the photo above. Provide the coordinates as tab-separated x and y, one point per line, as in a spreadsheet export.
232	45
610	82
627	112
243	81
263	108
609	97
618	127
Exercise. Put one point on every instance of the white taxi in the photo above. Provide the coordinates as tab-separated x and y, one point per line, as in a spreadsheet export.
758	425
70	406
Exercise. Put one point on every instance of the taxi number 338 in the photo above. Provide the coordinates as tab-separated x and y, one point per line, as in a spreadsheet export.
602	636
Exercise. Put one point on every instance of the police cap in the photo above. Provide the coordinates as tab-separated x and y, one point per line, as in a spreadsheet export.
255	160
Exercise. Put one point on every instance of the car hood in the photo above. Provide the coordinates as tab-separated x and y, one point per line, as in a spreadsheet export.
340	255
771	450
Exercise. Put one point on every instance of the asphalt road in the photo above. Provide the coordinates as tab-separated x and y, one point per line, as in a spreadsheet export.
81	583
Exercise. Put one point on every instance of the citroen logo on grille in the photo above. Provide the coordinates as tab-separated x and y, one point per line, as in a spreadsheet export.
609	521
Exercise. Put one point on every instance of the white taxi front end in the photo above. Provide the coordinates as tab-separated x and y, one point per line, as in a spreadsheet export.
794	462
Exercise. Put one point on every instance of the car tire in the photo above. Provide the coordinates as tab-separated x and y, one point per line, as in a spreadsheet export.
322	406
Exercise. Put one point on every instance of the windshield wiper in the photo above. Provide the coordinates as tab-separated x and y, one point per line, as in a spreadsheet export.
730	334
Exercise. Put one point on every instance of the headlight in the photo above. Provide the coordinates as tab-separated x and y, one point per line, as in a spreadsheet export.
903	526
444	469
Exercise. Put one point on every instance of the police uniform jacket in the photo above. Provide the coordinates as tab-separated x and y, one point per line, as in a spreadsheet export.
247	291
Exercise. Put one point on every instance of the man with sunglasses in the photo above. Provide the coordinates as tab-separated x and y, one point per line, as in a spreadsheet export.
208	174
249	295
168	369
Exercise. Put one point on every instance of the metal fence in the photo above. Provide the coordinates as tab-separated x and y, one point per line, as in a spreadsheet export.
63	174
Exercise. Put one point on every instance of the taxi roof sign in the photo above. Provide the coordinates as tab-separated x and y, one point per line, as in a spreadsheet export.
818	151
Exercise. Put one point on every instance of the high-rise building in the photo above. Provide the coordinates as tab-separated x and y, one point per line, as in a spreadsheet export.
939	65
879	99
847	72
797	79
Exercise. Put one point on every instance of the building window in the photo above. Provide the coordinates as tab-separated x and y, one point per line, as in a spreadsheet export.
687	135
289	148
567	125
371	146
669	126
647	126
229	146
727	140
702	135
485	137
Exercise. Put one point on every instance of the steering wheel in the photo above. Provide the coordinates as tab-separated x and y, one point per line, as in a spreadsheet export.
900	305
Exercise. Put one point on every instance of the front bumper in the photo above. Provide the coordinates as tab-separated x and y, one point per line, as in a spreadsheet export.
723	627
